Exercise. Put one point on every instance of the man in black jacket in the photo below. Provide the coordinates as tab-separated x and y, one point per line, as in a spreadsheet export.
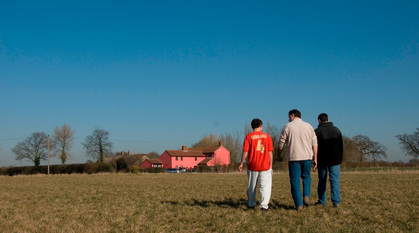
329	158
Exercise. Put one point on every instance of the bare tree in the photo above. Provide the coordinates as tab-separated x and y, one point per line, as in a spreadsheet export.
247	128
233	143
230	141
367	149
275	133
98	145
62	142
33	148
153	155
208	141
410	143
350	153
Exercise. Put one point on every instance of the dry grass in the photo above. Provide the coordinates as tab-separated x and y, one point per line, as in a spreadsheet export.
371	202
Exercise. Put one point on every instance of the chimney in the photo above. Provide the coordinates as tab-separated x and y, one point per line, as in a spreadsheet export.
220	143
184	147
128	152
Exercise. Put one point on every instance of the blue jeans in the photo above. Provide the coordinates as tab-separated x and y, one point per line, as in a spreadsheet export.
297	170
334	183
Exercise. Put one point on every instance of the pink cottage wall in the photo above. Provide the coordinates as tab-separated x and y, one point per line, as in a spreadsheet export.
182	161
186	161
221	157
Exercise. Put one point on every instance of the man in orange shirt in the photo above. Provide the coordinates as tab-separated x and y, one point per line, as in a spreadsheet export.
258	147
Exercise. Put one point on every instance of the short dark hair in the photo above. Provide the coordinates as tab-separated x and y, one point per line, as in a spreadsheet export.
256	123
323	117
295	112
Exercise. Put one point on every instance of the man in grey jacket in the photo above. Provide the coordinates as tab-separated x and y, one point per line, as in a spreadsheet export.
301	144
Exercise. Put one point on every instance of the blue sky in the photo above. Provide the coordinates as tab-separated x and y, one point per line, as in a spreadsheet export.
160	74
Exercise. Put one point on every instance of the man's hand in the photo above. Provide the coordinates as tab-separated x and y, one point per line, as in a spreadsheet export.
244	156
314	163
279	158
315	150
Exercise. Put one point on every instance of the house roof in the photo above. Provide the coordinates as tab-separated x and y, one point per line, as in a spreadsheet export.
185	153
204	161
154	161
205	149
108	159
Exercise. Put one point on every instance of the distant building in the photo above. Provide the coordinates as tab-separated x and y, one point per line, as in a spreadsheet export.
151	163
214	156
192	157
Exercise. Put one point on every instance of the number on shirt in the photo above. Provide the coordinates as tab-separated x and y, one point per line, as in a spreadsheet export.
260	147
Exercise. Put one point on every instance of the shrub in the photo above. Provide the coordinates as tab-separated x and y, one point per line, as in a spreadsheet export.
105	167
204	168
233	166
280	166
218	168
121	164
135	169
414	162
90	168
14	171
154	169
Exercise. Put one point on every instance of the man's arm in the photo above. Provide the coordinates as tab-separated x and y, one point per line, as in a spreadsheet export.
279	154
315	149
340	148
271	156
282	139
244	156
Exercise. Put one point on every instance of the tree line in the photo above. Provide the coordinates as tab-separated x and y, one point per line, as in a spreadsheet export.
359	148
39	145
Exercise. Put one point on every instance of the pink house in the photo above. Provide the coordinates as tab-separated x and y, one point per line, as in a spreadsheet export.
215	156
151	163
181	158
189	158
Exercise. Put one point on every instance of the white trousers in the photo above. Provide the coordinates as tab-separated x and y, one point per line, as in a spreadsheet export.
264	178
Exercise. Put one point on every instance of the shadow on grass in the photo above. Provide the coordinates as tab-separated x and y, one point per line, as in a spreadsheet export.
227	203
277	205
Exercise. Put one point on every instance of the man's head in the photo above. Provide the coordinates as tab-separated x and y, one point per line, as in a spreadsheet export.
256	123
293	114
323	118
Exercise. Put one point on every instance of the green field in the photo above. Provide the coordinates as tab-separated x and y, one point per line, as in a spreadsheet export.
383	201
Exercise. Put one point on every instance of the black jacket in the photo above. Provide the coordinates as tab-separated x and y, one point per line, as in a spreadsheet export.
330	144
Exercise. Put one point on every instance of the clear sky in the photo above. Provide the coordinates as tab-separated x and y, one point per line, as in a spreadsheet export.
161	74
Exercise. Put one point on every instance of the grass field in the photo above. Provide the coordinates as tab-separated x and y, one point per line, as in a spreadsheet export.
384	201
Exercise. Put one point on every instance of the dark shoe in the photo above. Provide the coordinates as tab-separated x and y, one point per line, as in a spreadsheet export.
264	210
336	205
250	207
318	203
306	201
